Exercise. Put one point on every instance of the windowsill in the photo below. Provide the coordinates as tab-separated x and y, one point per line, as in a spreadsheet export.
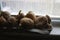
56	25
55	21
55	31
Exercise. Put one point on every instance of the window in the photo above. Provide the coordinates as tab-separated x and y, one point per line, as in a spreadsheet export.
40	7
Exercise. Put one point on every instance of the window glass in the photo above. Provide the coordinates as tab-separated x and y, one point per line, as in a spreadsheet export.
56	8
39	7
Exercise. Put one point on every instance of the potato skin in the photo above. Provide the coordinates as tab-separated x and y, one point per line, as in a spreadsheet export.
20	16
26	23
12	20
48	18
41	20
48	26
2	20
42	23
5	14
31	15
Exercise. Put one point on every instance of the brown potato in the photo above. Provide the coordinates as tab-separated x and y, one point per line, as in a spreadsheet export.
5	14
40	22
43	20
31	15
2	20
0	13
19	16
48	18
48	26
26	23
12	20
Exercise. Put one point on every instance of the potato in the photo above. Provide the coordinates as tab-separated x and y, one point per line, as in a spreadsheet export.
26	23
12	20
5	14
2	20
49	19
31	15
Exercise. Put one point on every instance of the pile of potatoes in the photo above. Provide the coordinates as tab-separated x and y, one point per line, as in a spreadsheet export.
28	21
